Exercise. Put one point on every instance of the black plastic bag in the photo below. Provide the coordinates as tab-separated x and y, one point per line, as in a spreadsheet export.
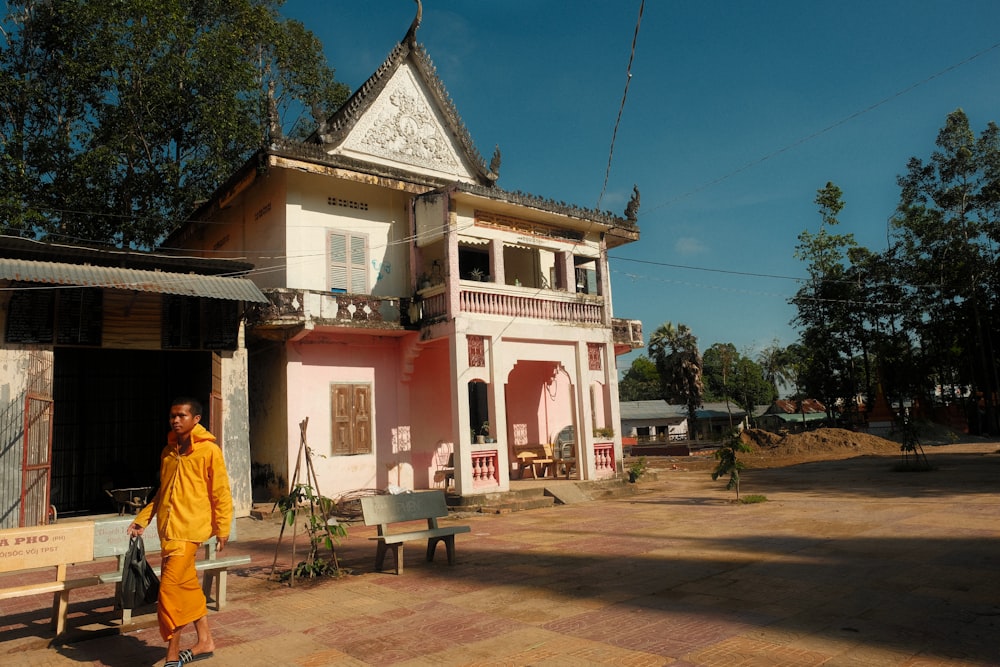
139	585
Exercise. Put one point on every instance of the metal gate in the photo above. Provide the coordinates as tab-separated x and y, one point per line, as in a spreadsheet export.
36	472
36	468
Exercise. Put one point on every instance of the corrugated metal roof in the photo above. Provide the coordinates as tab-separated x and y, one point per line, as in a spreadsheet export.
159	282
659	409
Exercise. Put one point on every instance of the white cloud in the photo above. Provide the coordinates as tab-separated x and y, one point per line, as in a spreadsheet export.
687	245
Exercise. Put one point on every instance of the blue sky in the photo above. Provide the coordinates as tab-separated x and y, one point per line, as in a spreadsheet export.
737	113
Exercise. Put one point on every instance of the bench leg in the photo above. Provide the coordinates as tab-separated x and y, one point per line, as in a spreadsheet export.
60	605
449	545
397	555
221	580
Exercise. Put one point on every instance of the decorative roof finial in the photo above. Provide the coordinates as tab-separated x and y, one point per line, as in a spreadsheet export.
495	163
411	34
632	209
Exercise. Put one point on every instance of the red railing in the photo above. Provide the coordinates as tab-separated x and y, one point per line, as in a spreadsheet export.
485	468
604	459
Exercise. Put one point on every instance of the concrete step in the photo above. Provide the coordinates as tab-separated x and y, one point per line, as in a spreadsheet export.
558	492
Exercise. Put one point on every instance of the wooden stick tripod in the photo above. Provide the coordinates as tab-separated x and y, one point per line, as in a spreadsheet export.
313	483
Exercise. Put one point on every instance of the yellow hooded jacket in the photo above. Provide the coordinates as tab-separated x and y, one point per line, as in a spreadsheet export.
194	501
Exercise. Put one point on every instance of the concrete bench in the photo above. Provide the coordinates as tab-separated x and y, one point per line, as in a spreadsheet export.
110	540
46	546
382	511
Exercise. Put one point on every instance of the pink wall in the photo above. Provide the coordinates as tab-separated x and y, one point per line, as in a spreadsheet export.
312	368
541	401
431	402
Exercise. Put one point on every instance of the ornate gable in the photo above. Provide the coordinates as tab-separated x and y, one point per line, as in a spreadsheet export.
404	126
402	118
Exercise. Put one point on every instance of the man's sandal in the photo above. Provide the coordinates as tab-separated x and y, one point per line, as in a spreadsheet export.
188	656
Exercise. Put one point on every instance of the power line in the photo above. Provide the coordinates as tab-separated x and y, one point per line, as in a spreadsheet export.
621	108
826	129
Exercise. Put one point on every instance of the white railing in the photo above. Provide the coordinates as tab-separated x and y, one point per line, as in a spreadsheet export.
530	303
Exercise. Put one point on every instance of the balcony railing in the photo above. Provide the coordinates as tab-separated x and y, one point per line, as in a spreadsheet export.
292	309
510	301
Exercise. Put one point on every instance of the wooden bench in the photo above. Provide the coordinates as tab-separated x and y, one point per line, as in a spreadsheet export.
533	457
45	546
79	542
382	511
111	540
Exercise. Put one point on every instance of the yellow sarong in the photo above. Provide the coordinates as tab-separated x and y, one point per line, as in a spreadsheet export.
181	599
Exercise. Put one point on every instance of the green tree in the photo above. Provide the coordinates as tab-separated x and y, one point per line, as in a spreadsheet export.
945	245
119	115
674	350
729	463
826	305
641	381
733	377
776	365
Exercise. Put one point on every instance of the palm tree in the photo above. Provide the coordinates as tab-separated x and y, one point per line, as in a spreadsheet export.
675	353
777	366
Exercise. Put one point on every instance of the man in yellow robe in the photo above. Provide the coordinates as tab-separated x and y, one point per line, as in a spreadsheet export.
192	504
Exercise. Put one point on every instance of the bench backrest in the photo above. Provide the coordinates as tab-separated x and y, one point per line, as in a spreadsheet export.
40	546
110	538
379	510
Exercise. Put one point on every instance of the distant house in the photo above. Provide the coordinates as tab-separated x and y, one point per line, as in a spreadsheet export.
660	422
791	415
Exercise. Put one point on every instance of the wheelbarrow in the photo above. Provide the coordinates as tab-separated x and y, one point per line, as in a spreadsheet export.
133	499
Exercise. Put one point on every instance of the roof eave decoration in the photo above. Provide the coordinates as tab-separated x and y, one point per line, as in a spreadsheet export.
336	128
626	226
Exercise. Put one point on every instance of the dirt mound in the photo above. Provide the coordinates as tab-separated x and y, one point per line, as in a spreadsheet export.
821	444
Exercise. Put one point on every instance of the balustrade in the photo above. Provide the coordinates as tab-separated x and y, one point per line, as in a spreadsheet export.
543	304
485	468
604	459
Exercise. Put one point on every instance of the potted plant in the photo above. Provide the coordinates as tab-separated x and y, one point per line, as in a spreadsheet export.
484	432
604	433
637	469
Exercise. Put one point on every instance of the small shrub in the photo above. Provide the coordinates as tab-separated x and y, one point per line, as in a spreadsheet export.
323	532
637	469
753	499
728	463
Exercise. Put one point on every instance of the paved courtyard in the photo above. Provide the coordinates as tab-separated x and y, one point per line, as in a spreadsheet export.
847	563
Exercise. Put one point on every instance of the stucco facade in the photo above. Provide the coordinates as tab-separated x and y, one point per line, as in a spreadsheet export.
415	305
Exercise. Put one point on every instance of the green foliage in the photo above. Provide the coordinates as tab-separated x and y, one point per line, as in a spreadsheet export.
324	532
638	468
641	381
753	499
921	315
827	304
729	463
732	376
679	364
777	366
119	115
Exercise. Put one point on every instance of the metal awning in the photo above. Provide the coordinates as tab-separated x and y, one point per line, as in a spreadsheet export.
59	274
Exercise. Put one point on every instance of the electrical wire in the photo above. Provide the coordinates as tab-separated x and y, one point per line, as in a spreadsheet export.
826	129
621	107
